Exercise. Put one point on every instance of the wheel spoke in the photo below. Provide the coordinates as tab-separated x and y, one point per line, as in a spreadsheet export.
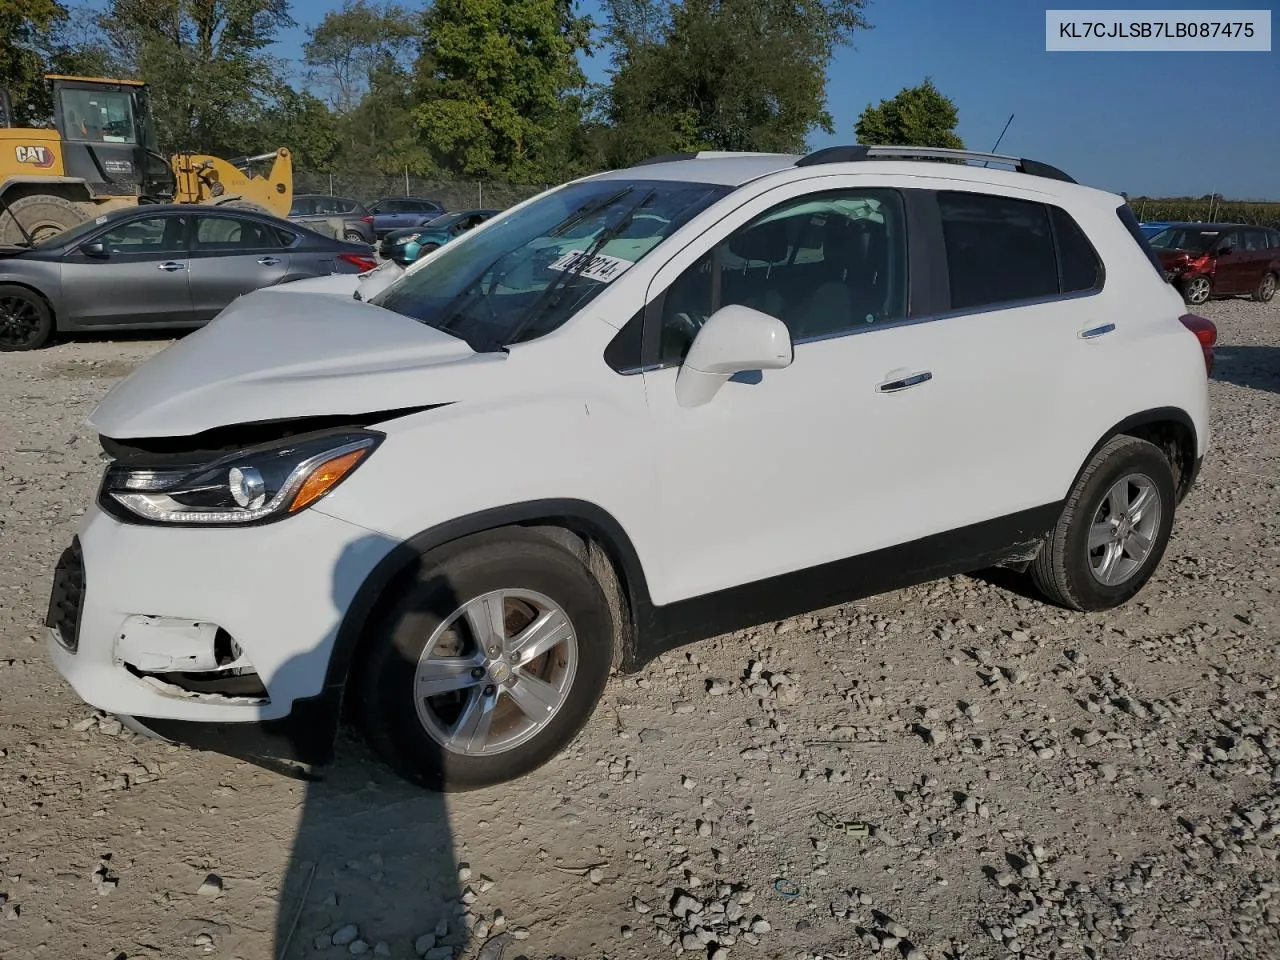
486	617
536	698
1100	535
1139	504
1138	546
1118	499
1110	560
547	632
472	728
437	675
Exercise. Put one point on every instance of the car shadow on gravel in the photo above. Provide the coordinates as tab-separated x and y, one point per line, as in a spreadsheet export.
1246	365
372	869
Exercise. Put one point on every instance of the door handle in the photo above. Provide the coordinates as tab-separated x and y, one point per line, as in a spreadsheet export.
171	265
905	383
269	261
1095	332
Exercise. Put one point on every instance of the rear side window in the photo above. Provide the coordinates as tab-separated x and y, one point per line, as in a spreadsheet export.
1135	230
999	249
1078	265
1255	240
1273	239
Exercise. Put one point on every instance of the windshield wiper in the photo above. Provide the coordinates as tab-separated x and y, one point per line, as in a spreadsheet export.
586	210
549	296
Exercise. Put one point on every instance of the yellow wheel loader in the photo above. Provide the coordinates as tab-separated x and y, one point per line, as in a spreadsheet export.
101	154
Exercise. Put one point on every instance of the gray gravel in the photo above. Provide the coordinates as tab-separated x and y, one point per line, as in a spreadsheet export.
950	771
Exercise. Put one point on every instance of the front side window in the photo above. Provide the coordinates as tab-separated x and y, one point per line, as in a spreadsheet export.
526	275
147	235
98	116
823	264
1185	239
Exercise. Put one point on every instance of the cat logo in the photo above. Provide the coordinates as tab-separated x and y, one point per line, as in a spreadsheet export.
36	156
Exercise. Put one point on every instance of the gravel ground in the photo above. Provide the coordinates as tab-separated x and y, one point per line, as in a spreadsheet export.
1033	782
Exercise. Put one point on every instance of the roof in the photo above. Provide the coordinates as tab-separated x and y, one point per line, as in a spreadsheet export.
111	80
736	169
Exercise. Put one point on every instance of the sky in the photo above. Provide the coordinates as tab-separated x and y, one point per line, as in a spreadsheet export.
1156	124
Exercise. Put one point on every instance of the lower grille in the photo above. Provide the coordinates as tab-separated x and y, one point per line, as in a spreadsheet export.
66	599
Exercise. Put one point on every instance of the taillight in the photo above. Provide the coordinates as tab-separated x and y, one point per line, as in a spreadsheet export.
364	262
367	218
1206	333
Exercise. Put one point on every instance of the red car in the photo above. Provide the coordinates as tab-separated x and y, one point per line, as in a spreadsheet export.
1205	260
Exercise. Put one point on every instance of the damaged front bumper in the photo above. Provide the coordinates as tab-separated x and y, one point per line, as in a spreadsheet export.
220	638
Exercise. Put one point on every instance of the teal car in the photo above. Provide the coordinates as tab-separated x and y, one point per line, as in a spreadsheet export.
406	245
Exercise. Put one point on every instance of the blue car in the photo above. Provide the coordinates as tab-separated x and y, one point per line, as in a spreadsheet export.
396	213
1151	228
405	246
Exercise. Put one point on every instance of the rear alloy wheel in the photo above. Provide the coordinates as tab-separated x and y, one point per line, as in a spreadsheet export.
1113	529
489	664
1197	290
351	236
1266	289
26	322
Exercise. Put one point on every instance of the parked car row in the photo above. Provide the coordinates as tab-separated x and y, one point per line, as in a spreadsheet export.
430	235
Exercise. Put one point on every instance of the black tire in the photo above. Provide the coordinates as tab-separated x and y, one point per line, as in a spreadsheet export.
1266	289
511	558
1062	571
26	322
42	215
244	205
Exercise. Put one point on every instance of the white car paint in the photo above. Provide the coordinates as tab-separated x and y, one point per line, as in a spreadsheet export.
810	465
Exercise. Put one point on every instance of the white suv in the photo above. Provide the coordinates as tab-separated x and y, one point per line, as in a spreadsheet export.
640	409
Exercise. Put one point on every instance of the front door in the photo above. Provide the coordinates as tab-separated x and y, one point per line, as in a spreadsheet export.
1231	268
142	276
233	255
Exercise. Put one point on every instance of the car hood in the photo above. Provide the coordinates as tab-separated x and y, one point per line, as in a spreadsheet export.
268	357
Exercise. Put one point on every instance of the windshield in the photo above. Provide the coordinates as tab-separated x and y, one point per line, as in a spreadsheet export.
72	234
104	116
531	270
444	220
1185	238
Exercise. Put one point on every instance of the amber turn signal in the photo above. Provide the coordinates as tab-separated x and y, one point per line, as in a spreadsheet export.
324	477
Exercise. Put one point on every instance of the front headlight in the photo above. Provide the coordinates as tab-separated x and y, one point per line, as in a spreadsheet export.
409	239
255	485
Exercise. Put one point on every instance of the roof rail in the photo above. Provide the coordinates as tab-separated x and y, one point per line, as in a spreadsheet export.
665	158
858	152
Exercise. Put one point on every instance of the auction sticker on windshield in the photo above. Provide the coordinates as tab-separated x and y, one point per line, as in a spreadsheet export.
601	268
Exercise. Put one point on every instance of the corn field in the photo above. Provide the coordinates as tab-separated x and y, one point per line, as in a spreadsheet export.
1223	211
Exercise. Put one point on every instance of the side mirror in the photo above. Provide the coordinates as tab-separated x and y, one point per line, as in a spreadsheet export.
95	249
733	340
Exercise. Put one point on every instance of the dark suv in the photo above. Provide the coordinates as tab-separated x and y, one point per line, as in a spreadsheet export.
1205	260
396	213
315	209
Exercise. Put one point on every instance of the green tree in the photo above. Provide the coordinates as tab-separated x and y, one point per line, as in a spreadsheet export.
304	123
353	43
721	74
211	79
917	117
25	29
500	88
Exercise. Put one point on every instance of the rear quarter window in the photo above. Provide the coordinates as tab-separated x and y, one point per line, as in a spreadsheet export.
1135	230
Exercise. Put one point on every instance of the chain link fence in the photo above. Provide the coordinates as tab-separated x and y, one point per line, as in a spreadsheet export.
453	194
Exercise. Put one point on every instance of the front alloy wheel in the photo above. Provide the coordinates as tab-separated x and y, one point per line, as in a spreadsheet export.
496	672
490	661
1196	291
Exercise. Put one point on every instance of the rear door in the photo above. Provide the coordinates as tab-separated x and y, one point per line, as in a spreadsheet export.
233	255
143	277
1257	256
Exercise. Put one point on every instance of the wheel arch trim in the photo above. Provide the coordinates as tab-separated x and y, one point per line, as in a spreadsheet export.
579	516
1152	417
